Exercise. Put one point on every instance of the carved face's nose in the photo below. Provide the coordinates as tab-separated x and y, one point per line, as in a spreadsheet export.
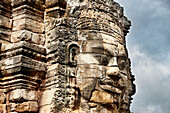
112	70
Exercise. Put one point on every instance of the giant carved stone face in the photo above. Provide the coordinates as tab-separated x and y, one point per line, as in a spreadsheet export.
102	73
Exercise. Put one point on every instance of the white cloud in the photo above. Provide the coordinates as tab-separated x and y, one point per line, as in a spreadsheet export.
152	80
149	109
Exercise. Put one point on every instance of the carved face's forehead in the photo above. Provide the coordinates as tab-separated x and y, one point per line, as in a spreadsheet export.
100	43
97	35
98	47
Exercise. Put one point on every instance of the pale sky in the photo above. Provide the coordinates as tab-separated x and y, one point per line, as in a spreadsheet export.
148	44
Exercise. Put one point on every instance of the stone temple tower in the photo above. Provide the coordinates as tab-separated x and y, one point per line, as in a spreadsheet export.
64	56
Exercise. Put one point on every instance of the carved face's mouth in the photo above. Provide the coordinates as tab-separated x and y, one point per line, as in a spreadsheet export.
110	85
114	85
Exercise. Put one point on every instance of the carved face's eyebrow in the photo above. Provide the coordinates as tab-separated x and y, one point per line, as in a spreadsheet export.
97	48
101	50
111	49
122	56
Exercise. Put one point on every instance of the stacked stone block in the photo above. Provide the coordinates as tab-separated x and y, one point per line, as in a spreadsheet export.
28	21
5	21
22	71
23	64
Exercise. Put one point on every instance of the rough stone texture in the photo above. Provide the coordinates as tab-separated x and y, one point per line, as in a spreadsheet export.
64	56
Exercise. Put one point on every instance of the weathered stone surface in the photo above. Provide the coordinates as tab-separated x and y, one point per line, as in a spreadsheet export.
3	108
46	109
90	72
23	44
5	21
86	86
28	36
101	97
34	3
26	61
21	95
2	97
64	56
30	106
47	96
99	109
30	24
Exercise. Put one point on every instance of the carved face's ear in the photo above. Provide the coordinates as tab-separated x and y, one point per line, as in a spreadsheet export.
73	50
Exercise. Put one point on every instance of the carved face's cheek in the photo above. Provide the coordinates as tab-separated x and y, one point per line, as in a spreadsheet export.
87	78
86	59
90	71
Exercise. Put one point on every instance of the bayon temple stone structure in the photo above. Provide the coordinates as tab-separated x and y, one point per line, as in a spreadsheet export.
64	56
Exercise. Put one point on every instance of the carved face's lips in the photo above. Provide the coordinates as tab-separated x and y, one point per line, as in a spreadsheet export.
111	89
114	85
110	85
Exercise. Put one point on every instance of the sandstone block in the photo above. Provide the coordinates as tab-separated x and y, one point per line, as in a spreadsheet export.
5	22
28	24
102	97
5	35
20	95
30	106
54	82
100	109
27	36
87	72
86	86
47	97
3	108
31	63
2	97
111	88
23	44
87	59
12	106
54	3
46	109
35	3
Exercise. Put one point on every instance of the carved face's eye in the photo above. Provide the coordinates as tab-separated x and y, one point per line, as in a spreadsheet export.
122	63
105	60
